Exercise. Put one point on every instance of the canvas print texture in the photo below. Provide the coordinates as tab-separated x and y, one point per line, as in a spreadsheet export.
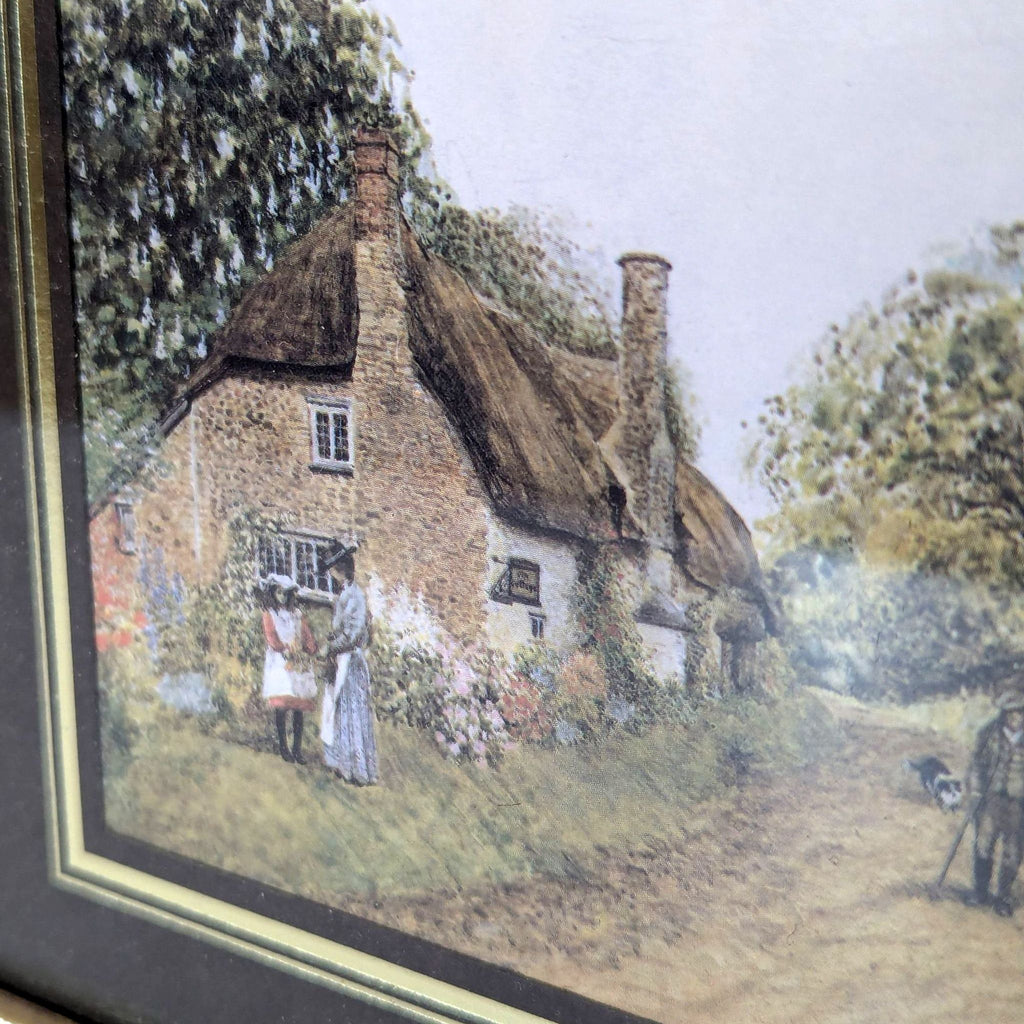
417	594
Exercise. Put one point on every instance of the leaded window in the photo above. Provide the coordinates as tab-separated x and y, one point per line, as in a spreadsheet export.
331	425
299	556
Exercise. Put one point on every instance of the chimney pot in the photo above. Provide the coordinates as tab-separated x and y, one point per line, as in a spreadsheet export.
376	183
643	257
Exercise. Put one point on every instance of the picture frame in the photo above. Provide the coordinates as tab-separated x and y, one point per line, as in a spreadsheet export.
689	686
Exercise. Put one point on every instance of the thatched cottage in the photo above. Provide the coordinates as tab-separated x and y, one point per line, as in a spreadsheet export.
361	389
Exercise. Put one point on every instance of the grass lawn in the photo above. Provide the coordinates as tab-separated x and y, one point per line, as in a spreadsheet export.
433	824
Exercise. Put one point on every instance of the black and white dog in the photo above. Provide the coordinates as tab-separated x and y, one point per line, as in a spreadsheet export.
935	776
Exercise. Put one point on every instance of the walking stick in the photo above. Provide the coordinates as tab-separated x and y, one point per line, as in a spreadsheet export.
968	818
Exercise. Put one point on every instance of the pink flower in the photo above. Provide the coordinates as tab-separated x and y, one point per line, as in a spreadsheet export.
455	749
439	736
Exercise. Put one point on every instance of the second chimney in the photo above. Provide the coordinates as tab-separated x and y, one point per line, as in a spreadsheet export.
645	446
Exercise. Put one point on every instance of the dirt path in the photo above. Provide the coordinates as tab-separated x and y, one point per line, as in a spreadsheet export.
800	901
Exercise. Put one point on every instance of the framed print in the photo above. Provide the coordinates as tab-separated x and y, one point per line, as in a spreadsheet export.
512	542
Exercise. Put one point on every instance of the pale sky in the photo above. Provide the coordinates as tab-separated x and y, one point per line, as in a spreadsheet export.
791	158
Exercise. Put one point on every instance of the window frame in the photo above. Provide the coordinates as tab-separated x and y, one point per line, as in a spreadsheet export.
294	539
126	537
538	626
332	408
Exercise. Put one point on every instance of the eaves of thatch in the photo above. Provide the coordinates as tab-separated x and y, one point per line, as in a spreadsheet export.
526	419
716	545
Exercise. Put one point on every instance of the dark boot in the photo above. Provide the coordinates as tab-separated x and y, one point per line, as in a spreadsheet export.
297	723
282	733
982	877
1002	904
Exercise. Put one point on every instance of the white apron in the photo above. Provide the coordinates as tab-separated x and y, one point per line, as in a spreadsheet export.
278	679
330	702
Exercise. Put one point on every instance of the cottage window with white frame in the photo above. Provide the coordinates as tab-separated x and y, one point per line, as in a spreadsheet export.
300	556
331	430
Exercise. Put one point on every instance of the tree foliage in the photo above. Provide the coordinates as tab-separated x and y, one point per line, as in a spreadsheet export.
893	633
898	467
904	441
524	261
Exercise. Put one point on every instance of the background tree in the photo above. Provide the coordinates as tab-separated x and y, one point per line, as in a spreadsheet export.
902	453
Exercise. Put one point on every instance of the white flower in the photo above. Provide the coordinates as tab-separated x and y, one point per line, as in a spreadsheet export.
225	144
175	282
130	80
159	351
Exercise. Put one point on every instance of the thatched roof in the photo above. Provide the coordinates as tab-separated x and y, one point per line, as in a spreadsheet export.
527	422
305	312
717	548
536	420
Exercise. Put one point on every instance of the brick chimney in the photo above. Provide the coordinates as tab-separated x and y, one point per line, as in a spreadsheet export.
376	184
645	446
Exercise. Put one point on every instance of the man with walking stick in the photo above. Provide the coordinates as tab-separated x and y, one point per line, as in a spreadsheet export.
996	786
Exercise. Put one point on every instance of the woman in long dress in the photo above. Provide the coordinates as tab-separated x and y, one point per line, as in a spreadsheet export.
287	685
346	724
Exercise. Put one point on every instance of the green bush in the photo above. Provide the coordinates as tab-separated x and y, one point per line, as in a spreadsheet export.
128	703
893	634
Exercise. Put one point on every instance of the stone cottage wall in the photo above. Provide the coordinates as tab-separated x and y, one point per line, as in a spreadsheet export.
410	499
170	501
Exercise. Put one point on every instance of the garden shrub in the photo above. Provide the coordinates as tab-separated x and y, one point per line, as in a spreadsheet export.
525	706
422	678
581	694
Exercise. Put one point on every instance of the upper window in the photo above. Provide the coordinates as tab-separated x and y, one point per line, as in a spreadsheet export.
330	422
519	583
125	514
299	556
